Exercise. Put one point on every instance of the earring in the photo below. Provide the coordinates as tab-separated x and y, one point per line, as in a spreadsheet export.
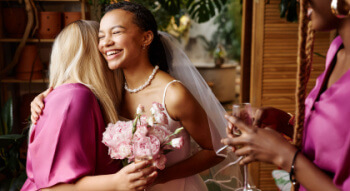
340	8
143	46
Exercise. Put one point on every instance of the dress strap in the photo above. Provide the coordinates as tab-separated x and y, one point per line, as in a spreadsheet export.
166	87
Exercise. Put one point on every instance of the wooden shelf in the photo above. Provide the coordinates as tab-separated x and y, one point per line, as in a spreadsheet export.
59	0
47	0
13	80
29	40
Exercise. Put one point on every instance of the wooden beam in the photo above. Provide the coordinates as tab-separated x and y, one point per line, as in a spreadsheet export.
246	41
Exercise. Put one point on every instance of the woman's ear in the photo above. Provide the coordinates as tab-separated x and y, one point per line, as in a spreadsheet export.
148	38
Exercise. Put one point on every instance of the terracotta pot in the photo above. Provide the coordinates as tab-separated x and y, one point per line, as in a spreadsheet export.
69	17
15	21
25	66
50	24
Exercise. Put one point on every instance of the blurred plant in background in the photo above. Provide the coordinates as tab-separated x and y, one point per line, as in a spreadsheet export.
229	27
289	10
228	34
199	10
12	163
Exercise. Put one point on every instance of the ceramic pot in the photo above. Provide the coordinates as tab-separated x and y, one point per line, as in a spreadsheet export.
29	63
69	17
15	21
50	24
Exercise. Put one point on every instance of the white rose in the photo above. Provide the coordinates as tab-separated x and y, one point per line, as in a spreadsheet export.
140	110
177	142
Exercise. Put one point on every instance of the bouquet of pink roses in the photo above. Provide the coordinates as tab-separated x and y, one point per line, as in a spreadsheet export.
144	136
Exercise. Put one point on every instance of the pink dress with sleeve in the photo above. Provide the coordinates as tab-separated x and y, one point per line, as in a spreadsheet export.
65	145
327	131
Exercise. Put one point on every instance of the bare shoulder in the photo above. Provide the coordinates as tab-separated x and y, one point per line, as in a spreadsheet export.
179	100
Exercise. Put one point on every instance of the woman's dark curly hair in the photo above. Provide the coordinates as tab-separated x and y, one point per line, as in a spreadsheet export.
145	20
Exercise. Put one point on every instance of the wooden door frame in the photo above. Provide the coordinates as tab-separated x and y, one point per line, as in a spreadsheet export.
251	61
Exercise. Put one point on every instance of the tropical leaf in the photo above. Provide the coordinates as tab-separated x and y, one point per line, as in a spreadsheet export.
211	9
200	10
218	4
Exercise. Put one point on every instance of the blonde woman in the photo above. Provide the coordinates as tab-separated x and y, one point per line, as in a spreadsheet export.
65	149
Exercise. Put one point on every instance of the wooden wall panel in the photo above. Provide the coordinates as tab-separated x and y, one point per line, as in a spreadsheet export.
273	69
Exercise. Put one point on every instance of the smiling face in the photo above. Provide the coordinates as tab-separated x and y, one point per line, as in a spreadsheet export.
120	39
321	15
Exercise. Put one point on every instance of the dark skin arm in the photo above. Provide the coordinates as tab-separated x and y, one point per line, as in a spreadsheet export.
267	145
182	106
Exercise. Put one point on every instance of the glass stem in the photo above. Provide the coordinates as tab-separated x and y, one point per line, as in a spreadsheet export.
245	169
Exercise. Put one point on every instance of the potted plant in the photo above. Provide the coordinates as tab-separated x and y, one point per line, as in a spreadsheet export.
219	55
12	167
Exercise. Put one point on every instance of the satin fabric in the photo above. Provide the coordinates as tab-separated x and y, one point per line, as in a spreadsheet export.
65	145
327	131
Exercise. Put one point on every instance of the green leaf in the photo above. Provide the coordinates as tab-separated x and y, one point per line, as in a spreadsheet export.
166	151
134	124
178	130
125	162
189	2
6	140
320	55
217	4
193	8
211	8
7	117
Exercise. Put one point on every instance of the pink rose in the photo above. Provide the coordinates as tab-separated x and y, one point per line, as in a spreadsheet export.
161	118
157	107
141	131
143	120
155	145
121	151
160	162
161	132
142	147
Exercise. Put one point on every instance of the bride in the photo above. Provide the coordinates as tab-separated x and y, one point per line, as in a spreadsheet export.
130	42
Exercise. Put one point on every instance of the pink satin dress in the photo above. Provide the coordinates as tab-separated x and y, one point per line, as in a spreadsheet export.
65	145
327	131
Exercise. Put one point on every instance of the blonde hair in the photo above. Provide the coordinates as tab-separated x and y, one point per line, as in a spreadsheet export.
75	56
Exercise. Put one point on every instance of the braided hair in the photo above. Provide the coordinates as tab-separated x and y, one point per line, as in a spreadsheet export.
304	61
305	52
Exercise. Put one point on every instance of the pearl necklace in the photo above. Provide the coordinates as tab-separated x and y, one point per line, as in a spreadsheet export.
150	78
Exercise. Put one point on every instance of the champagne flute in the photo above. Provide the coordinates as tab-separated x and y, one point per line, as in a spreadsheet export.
244	112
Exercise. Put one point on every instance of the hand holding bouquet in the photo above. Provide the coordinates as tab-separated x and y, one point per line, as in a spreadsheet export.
142	138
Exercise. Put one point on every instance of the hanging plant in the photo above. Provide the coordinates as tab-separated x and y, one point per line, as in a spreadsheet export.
289	10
